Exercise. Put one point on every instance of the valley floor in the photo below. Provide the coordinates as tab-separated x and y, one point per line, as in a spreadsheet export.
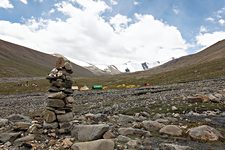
186	105
22	79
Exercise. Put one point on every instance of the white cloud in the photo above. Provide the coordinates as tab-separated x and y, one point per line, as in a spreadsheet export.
217	17
208	39
176	11
221	11
119	22
210	19
92	6
221	22
40	1
203	29
151	39
24	1
136	2
86	36
5	4
114	2
51	11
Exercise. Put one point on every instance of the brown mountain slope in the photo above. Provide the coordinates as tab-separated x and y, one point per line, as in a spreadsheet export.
207	64
111	70
212	53
19	61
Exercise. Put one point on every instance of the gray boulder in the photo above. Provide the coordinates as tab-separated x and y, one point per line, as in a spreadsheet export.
49	116
18	118
69	99
22	126
27	138
204	133
65	117
55	103
152	125
123	139
57	95
103	144
9	136
133	144
53	125
89	132
132	131
125	119
171	130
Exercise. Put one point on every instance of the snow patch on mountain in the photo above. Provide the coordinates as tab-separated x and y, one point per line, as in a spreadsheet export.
79	62
138	66
130	66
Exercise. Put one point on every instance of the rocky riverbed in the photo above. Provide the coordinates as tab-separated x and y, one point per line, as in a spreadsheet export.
178	116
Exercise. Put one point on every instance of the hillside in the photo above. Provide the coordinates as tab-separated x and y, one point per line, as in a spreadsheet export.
109	70
213	53
19	61
206	64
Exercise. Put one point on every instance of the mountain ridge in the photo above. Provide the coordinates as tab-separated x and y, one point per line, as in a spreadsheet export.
20	61
211	53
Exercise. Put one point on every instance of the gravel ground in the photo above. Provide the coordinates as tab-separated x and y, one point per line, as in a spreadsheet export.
5	80
158	101
21	103
118	101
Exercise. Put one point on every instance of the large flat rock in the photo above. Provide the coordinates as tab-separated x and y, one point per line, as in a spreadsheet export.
89	132
204	133
55	103
103	144
9	136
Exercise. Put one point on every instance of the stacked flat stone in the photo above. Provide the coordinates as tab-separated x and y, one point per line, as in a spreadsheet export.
58	112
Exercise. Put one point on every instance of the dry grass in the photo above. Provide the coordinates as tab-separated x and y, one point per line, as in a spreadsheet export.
213	69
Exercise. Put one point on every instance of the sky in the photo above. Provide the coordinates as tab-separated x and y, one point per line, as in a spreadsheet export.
114	31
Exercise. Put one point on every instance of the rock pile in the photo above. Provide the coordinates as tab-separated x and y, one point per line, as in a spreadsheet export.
58	112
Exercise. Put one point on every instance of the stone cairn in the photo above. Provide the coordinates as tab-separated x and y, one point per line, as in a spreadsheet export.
58	112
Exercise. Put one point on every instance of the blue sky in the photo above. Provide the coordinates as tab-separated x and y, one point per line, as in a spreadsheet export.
118	30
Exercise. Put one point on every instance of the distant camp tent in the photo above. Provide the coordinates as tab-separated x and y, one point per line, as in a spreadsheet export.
97	87
84	88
